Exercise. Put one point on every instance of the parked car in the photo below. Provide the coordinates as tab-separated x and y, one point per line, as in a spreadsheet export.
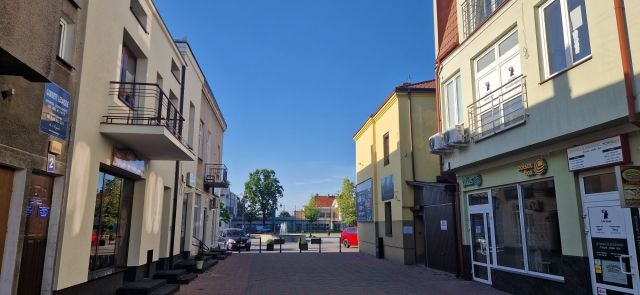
349	237
234	238
263	229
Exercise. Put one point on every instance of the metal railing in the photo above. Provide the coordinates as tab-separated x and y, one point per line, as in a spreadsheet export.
215	175
476	12
499	110
144	104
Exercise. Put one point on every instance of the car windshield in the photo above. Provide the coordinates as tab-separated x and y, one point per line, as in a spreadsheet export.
235	233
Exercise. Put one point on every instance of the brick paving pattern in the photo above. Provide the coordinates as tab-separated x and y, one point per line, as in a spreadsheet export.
326	273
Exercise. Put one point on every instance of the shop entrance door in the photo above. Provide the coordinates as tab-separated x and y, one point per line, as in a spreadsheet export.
35	234
611	233
6	186
480	236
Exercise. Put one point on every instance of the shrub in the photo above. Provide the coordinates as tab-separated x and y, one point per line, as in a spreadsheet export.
303	241
270	242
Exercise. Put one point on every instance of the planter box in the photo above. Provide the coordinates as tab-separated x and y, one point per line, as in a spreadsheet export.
269	247
304	247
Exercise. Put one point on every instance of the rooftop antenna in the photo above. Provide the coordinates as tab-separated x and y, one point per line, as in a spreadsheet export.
409	78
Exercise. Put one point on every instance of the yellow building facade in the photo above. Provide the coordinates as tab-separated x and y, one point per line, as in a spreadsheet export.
391	152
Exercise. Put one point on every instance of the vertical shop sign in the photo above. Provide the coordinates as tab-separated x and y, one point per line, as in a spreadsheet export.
628	178
55	111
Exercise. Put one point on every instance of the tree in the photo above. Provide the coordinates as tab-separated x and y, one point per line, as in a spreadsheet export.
284	214
247	210
311	212
347	202
263	190
225	215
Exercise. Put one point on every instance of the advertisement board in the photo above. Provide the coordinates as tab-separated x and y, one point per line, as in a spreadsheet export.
609	151
55	111
387	187
364	201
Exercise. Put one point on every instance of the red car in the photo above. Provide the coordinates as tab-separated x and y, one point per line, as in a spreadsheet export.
349	237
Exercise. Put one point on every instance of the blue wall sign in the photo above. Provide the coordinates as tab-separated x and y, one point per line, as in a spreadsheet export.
43	211
55	111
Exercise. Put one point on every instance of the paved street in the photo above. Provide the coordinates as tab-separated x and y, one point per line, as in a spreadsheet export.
326	273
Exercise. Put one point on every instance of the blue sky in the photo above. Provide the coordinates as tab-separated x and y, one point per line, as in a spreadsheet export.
296	78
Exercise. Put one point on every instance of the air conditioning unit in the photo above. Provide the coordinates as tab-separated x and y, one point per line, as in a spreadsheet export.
456	136
436	144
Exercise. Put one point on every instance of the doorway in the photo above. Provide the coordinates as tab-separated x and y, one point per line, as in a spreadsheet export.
611	232
35	234
480	234
6	186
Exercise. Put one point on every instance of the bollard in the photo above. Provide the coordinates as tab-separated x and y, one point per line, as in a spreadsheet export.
320	246
280	248
260	249
340	245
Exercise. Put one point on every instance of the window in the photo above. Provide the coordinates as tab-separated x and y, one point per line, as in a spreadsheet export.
111	218
499	102
66	39
201	141
197	227
159	81
600	183
526	227
385	144
565	34
175	70
209	144
476	12
139	13
388	223
506	214
192	122
453	102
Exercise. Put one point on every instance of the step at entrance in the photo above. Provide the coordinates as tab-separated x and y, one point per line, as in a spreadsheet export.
148	287
176	276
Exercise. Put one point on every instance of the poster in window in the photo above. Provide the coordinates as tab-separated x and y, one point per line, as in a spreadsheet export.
628	178
364	201
387	187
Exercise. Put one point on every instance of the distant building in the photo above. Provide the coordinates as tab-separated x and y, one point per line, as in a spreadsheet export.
329	215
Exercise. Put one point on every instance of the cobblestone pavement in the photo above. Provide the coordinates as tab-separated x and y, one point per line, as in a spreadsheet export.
326	273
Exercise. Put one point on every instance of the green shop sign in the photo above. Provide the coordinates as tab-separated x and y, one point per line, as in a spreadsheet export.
472	180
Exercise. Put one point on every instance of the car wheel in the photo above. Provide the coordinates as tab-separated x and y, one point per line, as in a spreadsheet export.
248	248
227	246
345	243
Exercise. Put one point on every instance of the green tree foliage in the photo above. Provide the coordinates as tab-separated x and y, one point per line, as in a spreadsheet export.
311	211
284	214
347	202
225	215
263	190
247	210
111	205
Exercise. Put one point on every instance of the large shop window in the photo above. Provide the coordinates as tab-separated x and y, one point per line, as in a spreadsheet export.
565	34
111	220
525	212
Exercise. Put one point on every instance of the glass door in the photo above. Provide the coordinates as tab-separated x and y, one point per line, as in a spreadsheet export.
610	233
480	235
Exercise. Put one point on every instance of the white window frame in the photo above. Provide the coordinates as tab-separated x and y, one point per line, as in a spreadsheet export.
63	38
455	80
566	30
491	226
499	59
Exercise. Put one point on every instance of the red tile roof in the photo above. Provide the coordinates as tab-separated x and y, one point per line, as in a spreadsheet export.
447	27
427	85
325	201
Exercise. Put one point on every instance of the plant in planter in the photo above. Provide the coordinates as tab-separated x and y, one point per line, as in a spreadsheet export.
199	258
303	244
270	245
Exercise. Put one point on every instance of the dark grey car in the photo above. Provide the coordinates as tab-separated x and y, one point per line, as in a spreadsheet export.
234	238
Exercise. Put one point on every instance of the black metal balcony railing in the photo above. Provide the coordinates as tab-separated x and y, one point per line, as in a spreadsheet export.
215	175
499	110
476	12
144	104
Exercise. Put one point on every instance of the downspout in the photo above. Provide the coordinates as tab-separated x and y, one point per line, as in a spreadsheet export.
375	187
626	61
413	172
176	178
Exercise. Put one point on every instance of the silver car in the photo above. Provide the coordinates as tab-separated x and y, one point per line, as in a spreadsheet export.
234	238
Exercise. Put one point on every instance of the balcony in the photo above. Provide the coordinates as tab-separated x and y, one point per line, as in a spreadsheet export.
477	12
146	121
215	176
499	110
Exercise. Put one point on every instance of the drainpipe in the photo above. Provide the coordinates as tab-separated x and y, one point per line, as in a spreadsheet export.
176	178
626	61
